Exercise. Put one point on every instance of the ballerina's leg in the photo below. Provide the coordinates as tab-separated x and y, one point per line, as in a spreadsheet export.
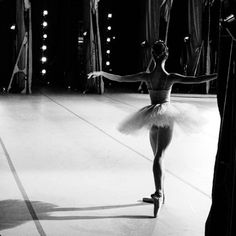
160	138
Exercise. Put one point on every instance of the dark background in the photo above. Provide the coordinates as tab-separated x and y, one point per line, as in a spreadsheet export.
65	24
7	37
65	65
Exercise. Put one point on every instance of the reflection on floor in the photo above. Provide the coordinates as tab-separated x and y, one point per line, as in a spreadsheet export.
66	170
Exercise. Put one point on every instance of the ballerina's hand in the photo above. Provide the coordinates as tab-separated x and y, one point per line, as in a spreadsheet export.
94	74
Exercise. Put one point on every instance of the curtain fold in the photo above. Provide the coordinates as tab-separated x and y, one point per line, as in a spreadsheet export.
154	11
166	8
21	30
195	33
28	11
152	20
93	45
221	218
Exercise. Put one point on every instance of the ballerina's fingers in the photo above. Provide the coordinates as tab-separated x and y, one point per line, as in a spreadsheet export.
93	74
90	75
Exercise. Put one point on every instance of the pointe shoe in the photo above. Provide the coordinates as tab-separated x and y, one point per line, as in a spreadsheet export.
150	199
157	201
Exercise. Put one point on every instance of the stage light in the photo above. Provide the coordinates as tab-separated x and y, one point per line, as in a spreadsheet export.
109	27
13	27
44	47
229	18
80	40
229	24
44	59
108	51
186	39
85	33
108	63
109	15
45	24
45	12
113	37
145	44
108	39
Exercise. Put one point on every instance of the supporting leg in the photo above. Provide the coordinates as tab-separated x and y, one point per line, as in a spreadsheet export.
160	138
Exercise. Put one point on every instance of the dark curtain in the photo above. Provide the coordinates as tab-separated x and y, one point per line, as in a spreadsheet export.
190	42
37	10
221	218
178	29
195	34
93	44
202	30
157	16
63	26
7	41
21	30
152	20
166	6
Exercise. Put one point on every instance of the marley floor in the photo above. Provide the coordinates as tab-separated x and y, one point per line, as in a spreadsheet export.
65	170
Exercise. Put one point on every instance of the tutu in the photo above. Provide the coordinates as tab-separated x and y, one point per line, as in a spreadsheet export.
162	113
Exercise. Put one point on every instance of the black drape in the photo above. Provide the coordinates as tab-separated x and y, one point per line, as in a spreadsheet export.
93	44
63	17
62	42
221	219
7	40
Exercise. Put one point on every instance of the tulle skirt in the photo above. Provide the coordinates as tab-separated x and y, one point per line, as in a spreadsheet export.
186	116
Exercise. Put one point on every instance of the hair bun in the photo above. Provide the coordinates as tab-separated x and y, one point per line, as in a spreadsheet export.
160	49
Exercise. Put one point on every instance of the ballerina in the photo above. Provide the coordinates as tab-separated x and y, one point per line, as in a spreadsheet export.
160	116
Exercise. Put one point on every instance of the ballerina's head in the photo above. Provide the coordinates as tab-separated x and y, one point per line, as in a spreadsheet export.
160	50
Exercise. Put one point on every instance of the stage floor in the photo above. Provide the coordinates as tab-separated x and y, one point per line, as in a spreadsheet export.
66	170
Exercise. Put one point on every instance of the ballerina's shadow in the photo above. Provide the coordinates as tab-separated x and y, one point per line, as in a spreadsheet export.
14	212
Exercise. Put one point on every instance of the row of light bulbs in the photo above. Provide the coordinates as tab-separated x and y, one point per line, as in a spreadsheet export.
44	46
108	40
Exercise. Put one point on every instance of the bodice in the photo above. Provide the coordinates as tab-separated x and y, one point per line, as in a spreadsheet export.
159	96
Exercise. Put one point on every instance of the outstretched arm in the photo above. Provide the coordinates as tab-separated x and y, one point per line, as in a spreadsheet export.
177	78
142	76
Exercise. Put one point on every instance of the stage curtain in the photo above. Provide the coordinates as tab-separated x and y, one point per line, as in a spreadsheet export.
20	26
221	218
93	44
28	14
165	9
222	214
195	33
154	11
152	20
7	42
165	14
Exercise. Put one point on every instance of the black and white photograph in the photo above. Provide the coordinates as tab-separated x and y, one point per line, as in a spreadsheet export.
117	118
